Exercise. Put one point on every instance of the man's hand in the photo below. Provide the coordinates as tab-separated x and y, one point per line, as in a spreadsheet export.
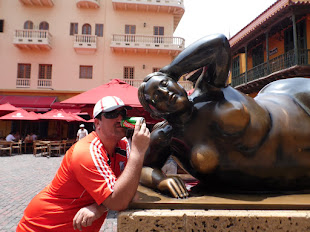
140	138
87	215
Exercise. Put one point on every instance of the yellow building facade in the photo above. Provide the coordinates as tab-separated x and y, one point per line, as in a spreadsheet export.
275	45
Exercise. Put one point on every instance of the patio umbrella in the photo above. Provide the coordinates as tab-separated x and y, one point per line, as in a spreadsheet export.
20	114
116	87
78	118
58	115
6	108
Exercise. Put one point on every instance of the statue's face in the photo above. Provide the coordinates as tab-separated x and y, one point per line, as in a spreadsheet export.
165	94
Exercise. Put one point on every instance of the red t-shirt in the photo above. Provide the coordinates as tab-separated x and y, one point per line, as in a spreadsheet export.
86	175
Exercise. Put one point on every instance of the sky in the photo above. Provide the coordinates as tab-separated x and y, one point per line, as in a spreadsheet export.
206	17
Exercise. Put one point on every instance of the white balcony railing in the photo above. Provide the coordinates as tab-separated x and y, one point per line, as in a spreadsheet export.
187	85
48	3
174	7
179	3
130	41
88	3
23	82
32	38
85	42
45	83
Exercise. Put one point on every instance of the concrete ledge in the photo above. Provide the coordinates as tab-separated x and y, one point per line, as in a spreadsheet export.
213	220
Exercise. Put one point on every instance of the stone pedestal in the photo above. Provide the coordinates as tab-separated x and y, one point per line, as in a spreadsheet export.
213	220
151	211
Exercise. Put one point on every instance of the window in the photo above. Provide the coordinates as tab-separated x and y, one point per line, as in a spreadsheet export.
28	25
235	67
99	30
73	28
45	71
130	30
86	72
158	31
44	26
129	72
156	69
86	29
24	71
1	25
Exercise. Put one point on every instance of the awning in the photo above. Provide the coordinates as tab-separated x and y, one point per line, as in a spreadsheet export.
33	103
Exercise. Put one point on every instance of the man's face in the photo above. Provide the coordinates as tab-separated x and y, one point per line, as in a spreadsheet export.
110	128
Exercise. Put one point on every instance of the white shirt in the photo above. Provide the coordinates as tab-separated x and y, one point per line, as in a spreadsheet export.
10	138
81	133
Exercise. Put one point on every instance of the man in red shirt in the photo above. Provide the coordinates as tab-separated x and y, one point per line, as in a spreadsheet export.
96	174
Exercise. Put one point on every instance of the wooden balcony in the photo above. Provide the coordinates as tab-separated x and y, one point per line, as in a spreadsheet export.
283	66
48	3
33	39
147	44
88	3
85	43
175	7
187	85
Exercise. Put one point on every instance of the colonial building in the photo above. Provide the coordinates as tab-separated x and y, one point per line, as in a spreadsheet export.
51	50
55	49
275	45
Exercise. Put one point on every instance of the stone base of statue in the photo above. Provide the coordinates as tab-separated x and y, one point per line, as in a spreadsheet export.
152	211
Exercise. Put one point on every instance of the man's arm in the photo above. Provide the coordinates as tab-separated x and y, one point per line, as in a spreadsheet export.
126	185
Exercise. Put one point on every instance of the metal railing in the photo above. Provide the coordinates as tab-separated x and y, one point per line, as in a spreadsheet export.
147	41
278	63
187	85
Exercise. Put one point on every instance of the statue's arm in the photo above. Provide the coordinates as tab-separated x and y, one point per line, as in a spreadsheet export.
155	158
211	53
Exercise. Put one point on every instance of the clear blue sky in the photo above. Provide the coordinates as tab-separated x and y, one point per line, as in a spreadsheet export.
205	17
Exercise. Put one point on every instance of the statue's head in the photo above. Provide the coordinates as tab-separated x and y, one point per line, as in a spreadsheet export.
160	95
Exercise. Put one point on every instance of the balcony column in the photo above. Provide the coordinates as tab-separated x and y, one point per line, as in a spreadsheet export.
295	39
246	64
267	52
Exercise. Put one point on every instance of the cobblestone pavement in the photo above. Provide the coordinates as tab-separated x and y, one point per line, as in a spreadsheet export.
21	178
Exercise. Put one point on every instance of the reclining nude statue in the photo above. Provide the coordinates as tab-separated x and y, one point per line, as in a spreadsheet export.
222	137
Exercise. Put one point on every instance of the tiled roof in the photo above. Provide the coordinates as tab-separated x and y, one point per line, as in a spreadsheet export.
270	12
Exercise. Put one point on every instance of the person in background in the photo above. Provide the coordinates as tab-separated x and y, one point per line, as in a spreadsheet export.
12	137
97	173
82	132
34	137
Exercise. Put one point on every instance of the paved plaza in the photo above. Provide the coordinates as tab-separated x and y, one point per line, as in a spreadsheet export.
21	178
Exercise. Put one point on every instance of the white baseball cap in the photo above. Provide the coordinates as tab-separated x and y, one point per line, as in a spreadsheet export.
108	104
82	125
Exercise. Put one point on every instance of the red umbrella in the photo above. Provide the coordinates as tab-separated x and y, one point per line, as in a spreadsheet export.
6	108
116	87
20	114
78	118
58	115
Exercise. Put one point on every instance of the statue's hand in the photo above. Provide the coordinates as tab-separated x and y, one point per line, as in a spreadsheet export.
174	185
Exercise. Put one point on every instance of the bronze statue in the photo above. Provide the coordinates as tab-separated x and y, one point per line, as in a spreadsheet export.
225	139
